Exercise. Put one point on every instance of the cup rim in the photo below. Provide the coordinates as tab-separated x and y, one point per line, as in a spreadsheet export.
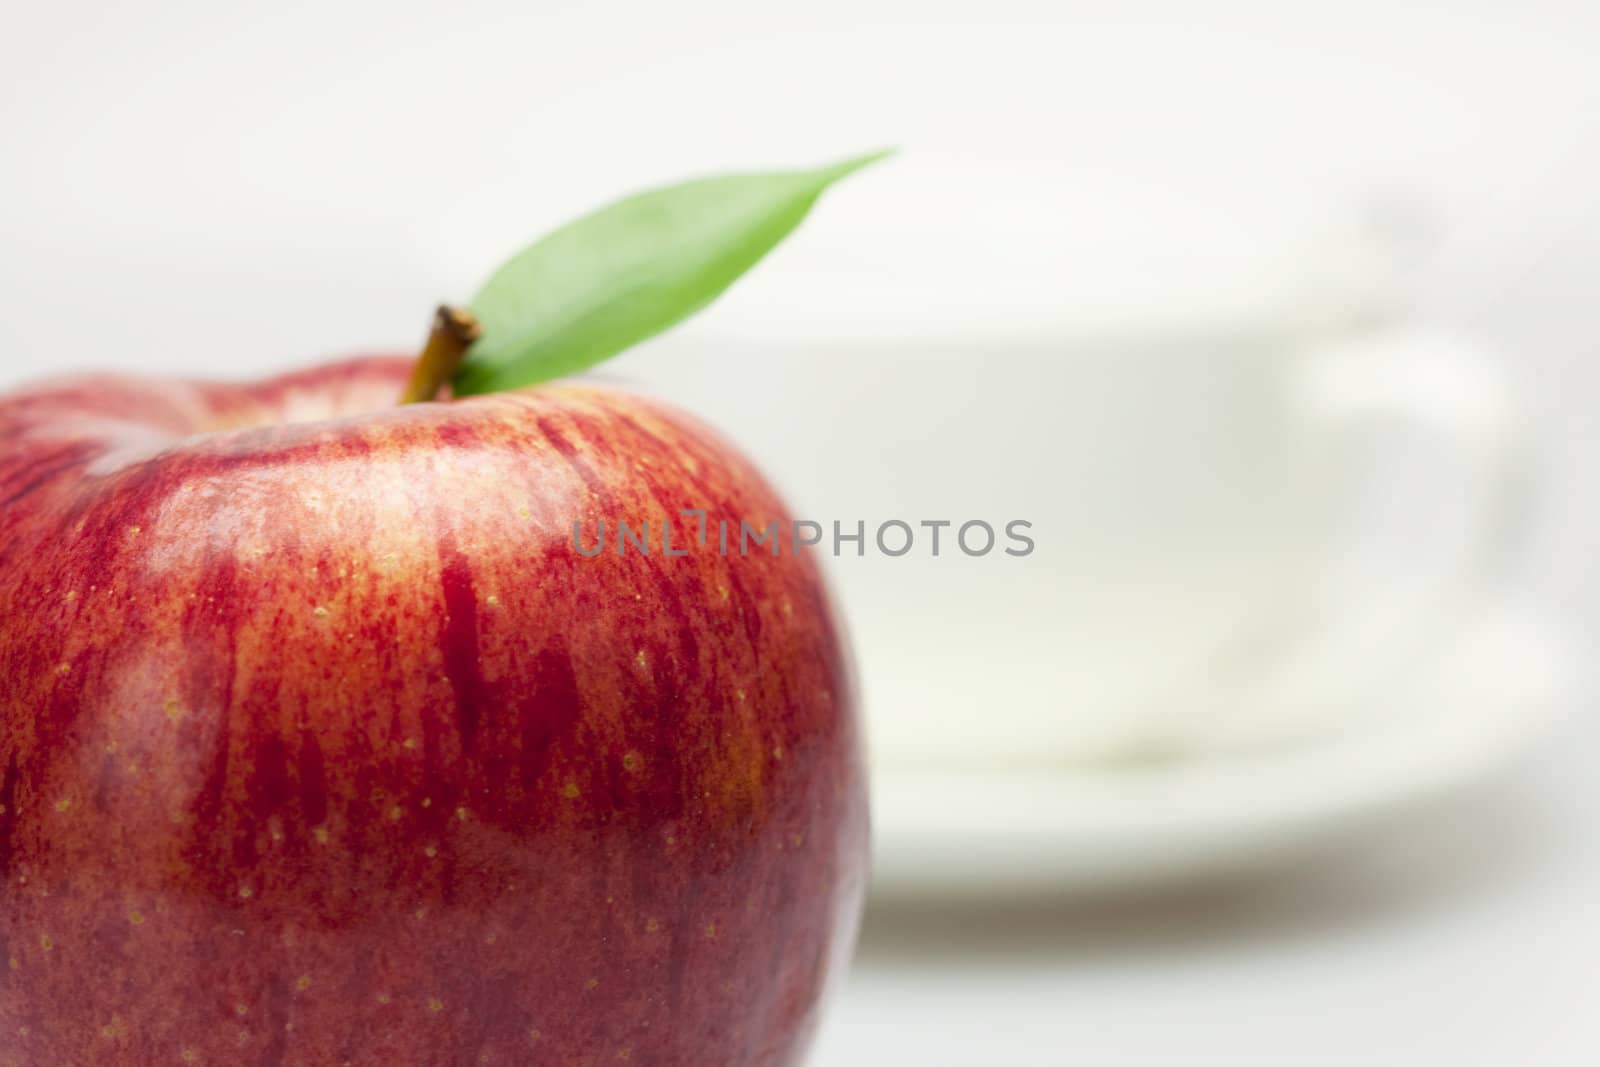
1041	251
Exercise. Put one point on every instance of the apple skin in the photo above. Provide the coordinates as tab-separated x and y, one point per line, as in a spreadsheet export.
320	744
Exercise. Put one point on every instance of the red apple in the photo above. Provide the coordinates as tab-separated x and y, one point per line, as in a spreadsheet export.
320	743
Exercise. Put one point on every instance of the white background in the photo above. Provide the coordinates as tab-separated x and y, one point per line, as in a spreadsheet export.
233	188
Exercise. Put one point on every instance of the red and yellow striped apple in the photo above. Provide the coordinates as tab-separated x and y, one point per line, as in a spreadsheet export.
320	744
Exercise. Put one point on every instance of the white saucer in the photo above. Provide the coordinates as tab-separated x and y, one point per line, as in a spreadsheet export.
1469	713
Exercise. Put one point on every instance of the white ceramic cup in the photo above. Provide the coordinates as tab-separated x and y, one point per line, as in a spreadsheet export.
1188	457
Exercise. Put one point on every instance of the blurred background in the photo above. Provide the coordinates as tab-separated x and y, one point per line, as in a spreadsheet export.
1278	322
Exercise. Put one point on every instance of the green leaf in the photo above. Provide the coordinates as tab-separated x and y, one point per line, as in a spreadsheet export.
629	271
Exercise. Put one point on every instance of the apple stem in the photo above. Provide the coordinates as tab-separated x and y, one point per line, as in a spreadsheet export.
454	331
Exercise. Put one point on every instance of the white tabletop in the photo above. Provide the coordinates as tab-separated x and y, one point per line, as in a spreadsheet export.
1464	937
